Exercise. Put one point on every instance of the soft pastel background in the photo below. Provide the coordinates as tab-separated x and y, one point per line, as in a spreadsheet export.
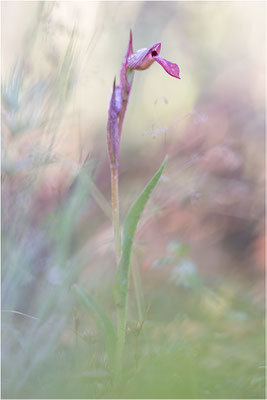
198	288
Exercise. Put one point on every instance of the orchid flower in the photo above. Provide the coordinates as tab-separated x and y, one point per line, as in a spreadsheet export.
143	58
140	60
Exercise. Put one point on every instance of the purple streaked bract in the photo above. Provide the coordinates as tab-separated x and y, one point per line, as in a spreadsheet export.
113	136
125	84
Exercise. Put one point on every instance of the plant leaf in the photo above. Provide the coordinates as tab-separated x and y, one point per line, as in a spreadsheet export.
129	229
102	320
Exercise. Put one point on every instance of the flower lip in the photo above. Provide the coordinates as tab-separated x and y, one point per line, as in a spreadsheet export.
171	68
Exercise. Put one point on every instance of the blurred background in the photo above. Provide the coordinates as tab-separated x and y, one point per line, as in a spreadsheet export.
197	290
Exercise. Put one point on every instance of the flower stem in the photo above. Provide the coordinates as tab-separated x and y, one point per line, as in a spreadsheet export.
121	312
115	210
121	309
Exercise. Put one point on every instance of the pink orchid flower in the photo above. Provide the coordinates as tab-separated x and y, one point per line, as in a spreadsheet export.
140	60
143	58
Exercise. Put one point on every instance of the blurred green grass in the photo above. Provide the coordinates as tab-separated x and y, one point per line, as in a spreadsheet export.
199	349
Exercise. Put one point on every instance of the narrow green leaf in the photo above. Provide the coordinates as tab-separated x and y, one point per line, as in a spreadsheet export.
129	228
103	322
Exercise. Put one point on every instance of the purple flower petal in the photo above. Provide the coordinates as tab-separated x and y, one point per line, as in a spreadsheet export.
169	67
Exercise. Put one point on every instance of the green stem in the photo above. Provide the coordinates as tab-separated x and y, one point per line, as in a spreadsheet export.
121	311
115	210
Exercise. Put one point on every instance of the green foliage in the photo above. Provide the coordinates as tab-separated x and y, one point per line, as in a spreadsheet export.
129	228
